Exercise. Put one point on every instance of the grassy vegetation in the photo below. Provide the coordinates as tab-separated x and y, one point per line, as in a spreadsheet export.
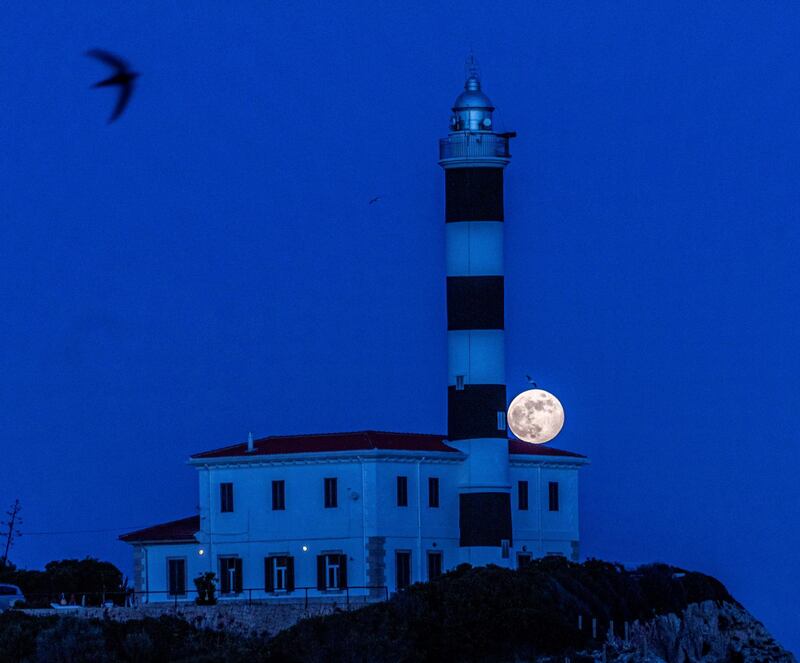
480	614
470	614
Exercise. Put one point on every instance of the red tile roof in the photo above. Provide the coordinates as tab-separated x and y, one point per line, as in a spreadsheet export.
362	440
520	447
175	530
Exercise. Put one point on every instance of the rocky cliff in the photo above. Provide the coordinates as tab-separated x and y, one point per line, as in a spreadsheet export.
704	632
554	611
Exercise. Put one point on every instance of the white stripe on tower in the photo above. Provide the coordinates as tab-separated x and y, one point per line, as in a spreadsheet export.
474	157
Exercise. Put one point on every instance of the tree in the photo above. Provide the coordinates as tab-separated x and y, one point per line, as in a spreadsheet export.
11	529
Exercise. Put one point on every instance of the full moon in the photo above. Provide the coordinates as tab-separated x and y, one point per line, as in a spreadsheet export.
535	416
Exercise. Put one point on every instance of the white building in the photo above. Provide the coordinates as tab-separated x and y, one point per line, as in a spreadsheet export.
367	513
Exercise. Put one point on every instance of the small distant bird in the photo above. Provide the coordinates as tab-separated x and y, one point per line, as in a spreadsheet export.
123	77
530	379
374	200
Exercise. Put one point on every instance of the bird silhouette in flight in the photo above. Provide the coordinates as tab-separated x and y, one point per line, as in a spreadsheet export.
374	200
122	77
530	379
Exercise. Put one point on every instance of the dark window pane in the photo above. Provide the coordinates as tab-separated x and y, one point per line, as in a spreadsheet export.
278	496
433	492
434	565
553	486
331	493
402	491
522	495
230	575
176	571
226	497
402	569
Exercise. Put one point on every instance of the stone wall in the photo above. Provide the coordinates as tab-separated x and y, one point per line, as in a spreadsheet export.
256	619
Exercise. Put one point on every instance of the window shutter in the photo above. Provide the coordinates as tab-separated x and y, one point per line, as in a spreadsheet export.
224	582
237	576
269	580
342	571
321	572
181	577
290	574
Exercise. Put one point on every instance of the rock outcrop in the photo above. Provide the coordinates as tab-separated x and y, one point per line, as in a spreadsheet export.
706	632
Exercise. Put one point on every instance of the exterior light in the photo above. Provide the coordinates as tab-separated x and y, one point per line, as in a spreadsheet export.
305	548
201	552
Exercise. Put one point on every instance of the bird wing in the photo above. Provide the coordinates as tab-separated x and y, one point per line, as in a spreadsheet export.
109	58
124	97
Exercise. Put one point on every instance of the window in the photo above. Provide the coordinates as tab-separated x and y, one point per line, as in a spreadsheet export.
230	575
434	565
523	560
331	571
459	383
522	495
433	492
176	576
331	494
278	495
501	420
553	489
402	491
402	568
226	497
279	573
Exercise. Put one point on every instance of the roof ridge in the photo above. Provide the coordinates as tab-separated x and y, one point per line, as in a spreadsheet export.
363	431
167	522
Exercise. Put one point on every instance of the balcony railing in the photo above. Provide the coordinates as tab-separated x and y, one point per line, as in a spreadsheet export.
473	146
356	593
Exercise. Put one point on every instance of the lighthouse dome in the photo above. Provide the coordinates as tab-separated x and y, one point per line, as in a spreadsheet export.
472	110
472	97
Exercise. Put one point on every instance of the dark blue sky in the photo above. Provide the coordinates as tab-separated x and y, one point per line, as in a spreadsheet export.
209	264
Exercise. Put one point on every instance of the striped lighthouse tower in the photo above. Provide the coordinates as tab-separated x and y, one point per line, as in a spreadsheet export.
474	157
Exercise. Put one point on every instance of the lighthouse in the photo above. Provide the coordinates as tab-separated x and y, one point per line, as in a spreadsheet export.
474	157
309	516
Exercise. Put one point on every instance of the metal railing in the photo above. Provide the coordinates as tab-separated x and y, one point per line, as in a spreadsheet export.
474	145
133	598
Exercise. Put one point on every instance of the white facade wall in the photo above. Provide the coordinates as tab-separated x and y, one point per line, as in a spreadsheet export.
367	517
537	529
154	559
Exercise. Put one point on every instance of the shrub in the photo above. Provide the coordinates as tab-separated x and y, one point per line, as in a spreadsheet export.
71	639
206	589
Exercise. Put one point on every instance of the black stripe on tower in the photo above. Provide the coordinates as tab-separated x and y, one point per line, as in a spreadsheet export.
484	519
472	411
475	302
473	194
